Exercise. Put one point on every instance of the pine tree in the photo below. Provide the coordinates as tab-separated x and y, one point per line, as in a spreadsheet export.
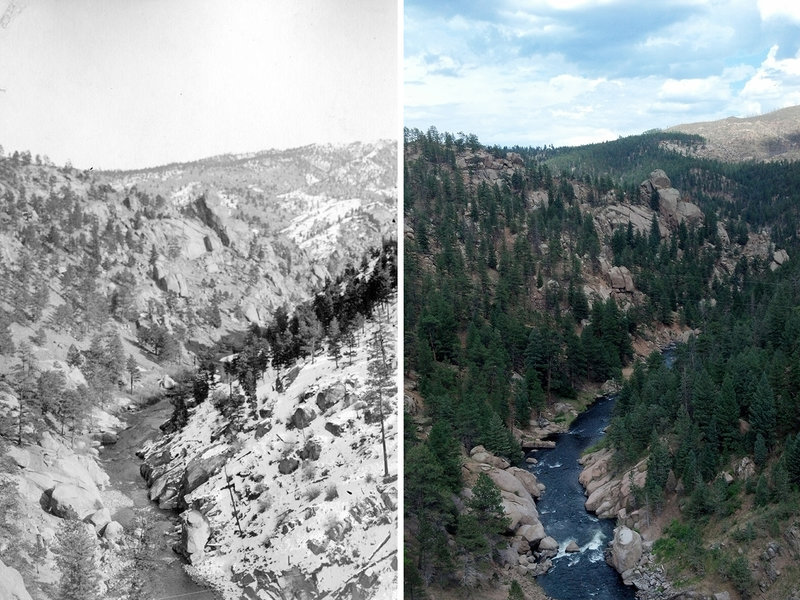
760	451
132	367
334	341
487	505
763	414
75	556
7	347
380	371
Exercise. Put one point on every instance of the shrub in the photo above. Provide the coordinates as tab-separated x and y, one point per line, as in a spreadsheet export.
331	492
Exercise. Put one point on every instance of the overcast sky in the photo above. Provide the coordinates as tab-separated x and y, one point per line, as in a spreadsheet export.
569	72
135	83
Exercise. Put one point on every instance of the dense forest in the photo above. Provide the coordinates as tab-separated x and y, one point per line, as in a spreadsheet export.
501	246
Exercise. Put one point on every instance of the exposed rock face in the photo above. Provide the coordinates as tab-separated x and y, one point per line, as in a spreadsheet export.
330	396
621	280
199	471
11	585
211	220
674	210
626	549
610	497
615	215
302	418
195	532
517	490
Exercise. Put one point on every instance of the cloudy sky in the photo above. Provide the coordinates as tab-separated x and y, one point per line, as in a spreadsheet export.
124	83
535	72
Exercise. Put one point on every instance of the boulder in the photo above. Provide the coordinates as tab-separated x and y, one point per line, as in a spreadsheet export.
335	429
288	465
621	280
626	549
519	511
70	501
540	568
572	547
12	587
659	179
330	396
528	480
548	544
99	519
488	458
780	256
533	534
195	532
302	418
200	470
113	531
507	557
251	314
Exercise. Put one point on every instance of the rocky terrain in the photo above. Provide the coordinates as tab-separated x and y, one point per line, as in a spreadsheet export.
297	503
152	269
772	136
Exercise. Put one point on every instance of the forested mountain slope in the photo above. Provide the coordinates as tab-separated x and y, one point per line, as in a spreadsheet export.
117	287
533	275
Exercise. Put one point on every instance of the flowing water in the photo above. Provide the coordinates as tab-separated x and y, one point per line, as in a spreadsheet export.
585	574
122	465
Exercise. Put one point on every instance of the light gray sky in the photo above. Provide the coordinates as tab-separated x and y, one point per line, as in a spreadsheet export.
567	72
136	83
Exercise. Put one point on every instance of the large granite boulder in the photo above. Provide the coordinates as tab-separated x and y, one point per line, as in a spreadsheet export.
330	396
71	501
626	549
195	532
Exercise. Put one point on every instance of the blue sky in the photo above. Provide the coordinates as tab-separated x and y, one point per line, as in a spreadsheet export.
125	84
563	72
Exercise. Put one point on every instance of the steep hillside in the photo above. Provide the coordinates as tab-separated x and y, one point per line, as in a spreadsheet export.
772	136
296	501
118	287
535	276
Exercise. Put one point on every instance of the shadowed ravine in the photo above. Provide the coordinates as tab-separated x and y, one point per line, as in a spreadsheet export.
584	574
122	465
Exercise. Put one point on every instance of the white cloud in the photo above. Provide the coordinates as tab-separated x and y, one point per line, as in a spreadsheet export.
776	9
775	84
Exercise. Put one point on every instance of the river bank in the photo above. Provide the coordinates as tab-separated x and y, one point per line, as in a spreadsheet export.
122	466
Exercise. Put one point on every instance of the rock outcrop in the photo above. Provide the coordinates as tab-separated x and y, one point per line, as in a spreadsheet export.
626	549
610	496
195	531
71	501
671	207
621	280
518	488
11	585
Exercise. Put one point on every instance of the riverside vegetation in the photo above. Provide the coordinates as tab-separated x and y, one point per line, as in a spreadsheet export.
533	275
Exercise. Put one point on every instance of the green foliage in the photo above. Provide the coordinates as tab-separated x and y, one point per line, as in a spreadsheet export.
515	591
487	505
738	571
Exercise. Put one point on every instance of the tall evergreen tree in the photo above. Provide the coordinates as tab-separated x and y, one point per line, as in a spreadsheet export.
75	556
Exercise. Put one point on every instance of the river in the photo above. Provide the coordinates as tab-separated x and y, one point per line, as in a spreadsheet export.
122	465
584	574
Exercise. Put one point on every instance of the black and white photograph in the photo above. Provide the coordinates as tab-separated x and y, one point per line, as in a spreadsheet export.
198	300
